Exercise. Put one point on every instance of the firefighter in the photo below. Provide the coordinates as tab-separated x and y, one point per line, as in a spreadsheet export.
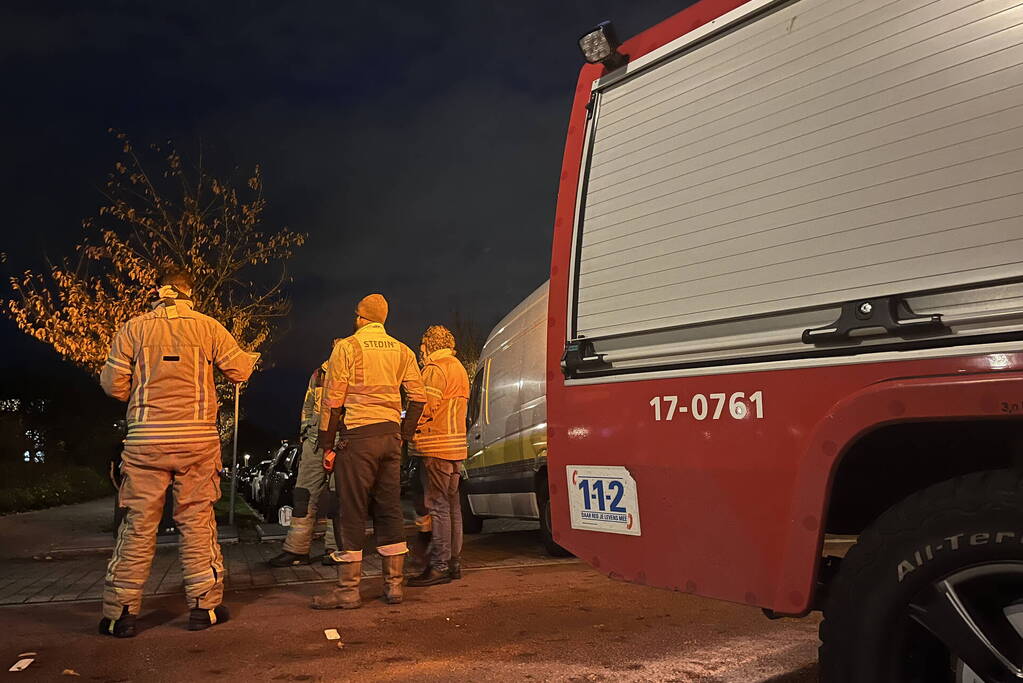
161	363
167	520
365	375
440	439
311	480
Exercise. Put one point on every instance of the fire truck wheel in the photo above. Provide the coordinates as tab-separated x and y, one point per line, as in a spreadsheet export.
546	533
933	590
471	524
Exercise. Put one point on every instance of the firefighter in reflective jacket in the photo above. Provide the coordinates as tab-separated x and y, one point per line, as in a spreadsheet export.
441	442
365	375
161	363
311	479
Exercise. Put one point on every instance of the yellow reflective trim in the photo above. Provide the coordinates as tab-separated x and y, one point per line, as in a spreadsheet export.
522	446
486	391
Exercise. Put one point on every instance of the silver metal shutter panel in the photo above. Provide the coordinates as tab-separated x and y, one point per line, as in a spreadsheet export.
831	150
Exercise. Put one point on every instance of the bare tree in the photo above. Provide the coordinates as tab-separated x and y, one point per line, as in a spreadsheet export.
181	214
469	340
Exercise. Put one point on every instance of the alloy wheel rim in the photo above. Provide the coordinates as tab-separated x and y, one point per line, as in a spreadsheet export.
976	614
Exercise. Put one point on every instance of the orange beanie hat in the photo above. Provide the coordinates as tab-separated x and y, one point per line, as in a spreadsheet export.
373	308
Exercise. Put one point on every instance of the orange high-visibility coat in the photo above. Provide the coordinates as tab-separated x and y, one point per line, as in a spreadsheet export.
365	374
441	432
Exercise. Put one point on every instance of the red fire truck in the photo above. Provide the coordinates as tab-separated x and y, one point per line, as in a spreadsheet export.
786	302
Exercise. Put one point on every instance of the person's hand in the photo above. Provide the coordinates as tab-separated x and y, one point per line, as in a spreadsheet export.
328	459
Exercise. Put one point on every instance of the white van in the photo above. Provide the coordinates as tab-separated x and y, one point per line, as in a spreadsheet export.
506	472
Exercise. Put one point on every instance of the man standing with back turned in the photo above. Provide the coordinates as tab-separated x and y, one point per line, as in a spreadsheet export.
365	375
161	363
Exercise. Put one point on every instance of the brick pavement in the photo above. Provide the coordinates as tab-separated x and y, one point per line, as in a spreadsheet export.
78	577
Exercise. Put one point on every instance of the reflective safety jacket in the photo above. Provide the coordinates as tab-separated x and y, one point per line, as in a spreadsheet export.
441	432
161	363
365	374
311	405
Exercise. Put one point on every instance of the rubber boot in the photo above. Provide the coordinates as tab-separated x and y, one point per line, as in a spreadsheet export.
455	568
122	627
346	594
200	619
394	577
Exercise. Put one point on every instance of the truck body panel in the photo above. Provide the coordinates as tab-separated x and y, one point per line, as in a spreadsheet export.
766	169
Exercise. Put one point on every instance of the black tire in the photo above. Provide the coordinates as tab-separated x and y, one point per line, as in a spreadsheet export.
471	524
958	544
543	497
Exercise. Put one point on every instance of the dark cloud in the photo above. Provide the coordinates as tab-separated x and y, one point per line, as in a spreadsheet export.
419	144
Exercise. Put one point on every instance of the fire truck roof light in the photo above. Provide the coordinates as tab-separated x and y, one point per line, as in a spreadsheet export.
601	46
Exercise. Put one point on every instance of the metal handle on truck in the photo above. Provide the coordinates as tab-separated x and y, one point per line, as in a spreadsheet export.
580	355
891	313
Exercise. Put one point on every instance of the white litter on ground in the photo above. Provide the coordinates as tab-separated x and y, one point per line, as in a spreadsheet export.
332	634
21	665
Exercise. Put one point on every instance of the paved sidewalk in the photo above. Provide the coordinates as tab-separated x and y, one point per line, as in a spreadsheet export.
78	576
41	532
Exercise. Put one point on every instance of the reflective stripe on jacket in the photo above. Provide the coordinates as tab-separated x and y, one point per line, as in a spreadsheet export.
161	363
365	374
441	431
311	404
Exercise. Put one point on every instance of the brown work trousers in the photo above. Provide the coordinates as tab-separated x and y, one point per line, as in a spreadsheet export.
147	472
367	472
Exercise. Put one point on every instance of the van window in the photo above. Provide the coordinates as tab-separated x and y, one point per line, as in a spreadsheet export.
473	410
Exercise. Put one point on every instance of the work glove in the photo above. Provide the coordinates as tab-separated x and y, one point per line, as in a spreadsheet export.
326	436
411	420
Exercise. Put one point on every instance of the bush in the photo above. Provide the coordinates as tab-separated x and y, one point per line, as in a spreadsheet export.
31	487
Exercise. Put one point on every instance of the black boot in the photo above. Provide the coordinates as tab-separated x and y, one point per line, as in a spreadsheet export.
288	559
455	568
201	619
431	577
122	627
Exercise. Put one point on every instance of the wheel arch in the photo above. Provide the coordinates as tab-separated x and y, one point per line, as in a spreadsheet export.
900	406
913	455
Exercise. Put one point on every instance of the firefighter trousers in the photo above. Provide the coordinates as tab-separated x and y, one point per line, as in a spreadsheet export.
309	486
367	472
194	471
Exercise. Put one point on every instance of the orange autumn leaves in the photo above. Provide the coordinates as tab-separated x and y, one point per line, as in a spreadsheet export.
182	214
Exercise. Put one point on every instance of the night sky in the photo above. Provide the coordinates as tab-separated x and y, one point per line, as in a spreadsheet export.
418	144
